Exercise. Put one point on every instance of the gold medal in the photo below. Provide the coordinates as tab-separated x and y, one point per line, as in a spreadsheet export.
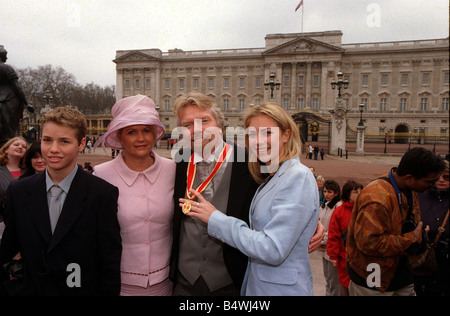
187	206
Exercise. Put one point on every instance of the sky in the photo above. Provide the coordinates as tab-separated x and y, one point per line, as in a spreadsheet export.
82	36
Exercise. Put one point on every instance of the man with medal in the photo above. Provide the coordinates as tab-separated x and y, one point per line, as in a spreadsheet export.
200	264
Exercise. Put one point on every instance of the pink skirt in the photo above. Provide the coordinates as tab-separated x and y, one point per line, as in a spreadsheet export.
161	289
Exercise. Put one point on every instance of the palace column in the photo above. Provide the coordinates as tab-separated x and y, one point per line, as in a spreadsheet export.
308	85
294	85
360	141
119	84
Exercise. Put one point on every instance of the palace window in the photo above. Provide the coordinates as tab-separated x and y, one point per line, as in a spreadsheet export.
365	80
423	104
242	83
445	104
286	104
347	103
404	79
300	104
316	80
258	82
226	104
425	78
241	104
315	104
403	104
383	104
365	101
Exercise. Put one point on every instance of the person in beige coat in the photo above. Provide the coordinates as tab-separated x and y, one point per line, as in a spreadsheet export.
332	194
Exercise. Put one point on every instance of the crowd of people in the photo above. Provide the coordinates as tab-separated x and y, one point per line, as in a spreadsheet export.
314	151
400	218
208	223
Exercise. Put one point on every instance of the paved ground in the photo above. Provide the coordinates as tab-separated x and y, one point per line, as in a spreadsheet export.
362	169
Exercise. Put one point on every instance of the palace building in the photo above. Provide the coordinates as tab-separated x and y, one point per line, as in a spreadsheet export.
403	85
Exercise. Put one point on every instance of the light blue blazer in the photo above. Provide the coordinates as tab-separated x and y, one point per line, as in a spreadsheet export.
283	217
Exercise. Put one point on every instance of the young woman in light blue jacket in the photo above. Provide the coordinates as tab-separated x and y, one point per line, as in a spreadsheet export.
284	212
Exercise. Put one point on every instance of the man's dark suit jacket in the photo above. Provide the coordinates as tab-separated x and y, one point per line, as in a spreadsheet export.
242	190
87	234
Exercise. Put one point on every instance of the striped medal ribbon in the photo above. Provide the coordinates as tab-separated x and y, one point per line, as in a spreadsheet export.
192	168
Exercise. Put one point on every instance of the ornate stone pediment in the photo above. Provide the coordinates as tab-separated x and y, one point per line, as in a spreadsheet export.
303	45
134	56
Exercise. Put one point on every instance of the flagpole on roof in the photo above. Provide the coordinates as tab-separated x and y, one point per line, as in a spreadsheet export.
300	5
303	12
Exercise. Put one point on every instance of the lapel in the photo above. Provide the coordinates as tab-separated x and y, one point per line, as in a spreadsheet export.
181	178
263	190
74	206
38	206
239	185
179	192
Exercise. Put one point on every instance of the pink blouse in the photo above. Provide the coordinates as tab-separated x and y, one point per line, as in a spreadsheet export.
145	211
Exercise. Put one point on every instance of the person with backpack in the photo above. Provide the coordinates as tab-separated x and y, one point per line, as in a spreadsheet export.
386	231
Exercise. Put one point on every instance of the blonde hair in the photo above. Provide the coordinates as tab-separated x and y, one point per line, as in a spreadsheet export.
320	179
283	119
68	117
4	156
203	102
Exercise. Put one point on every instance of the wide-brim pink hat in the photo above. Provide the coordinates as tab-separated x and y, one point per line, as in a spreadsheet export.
134	110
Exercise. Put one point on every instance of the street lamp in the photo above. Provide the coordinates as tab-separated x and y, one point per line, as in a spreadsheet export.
341	83
434	146
361	110
272	85
47	97
409	140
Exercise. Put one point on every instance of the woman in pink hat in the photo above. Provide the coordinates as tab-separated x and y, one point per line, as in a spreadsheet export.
146	183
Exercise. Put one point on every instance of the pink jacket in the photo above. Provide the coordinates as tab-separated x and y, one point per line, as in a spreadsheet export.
145	211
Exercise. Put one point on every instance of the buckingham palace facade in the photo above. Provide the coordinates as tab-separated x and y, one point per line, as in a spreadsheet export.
404	85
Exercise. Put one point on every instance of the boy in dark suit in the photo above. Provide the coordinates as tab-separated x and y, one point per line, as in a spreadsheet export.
69	241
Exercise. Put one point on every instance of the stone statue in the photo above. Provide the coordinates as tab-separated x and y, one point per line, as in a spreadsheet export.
12	100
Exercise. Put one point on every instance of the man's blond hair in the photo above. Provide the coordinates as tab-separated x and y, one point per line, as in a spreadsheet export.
203	102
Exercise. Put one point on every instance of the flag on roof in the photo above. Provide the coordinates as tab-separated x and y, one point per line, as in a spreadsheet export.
299	5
